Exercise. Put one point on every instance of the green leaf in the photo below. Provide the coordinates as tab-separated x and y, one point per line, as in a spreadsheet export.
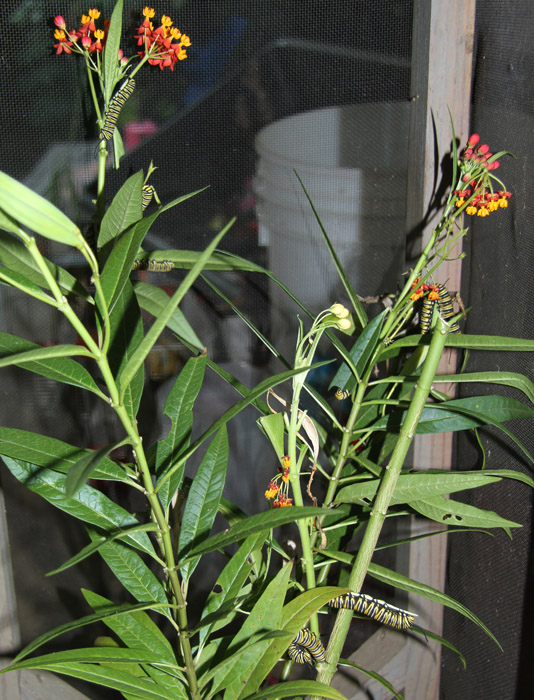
153	299
416	486
124	210
374	675
250	398
292	689
513	379
126	337
161	321
115	610
294	617
461	340
186	259
15	279
15	256
264	616
88	504
131	571
109	678
203	499
179	408
92	548
52	454
37	213
381	573
450	512
46	362
230	583
81	470
118	266
360	353
273	427
255	523
138	631
358	308
110	53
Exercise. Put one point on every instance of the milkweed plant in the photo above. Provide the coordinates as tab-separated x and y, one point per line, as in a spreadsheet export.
331	478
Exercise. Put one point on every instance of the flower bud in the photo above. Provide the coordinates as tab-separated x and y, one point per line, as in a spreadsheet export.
344	324
60	22
473	140
339	310
482	150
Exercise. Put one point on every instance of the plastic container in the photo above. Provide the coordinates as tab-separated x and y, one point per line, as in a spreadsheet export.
352	161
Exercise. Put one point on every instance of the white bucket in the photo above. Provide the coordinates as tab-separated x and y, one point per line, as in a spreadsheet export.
352	161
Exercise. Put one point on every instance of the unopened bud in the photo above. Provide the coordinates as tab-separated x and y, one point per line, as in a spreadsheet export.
473	140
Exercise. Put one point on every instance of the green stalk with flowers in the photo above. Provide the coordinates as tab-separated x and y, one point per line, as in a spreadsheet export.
338	473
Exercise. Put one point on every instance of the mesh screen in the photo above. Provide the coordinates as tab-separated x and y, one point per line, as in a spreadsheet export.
498	286
252	64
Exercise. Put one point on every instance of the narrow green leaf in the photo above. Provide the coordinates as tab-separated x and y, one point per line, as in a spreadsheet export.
416	486
230	583
92	548
253	524
179	408
374	675
126	337
46	361
124	210
110	56
250	398
219	260
358	307
115	610
154	299
110	678
273	427
81	470
408	584
264	616
15	279
37	213
15	256
159	324
48	452
461	340
131	571
294	617
513	379
292	689
360	353
203	499
449	512
118	266
88	504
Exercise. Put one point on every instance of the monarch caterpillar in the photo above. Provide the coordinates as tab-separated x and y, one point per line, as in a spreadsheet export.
306	648
446	308
426	314
114	109
340	394
147	194
379	610
153	265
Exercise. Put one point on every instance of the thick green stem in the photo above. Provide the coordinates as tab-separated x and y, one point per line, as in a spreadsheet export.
384	495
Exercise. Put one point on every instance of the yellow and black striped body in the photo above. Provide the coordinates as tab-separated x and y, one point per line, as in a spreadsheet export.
340	394
446	308
379	610
426	314
307	648
147	195
153	265
114	109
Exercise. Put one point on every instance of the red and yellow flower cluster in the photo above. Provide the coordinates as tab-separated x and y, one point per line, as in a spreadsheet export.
87	36
422	289
279	491
164	45
476	165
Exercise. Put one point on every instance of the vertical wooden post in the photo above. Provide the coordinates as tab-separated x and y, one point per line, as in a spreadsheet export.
442	54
